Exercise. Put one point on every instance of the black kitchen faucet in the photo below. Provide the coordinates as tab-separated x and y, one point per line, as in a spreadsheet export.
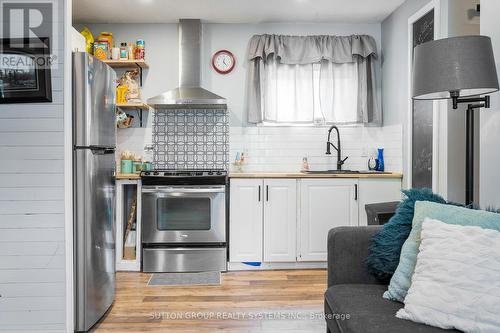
340	161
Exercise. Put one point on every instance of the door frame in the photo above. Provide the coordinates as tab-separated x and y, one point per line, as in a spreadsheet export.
437	105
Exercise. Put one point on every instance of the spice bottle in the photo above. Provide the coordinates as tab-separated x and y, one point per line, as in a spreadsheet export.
123	51
140	50
130	51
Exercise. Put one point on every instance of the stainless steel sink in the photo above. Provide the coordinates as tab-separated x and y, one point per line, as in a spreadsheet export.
332	171
345	171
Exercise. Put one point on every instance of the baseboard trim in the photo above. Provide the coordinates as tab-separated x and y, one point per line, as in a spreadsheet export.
239	266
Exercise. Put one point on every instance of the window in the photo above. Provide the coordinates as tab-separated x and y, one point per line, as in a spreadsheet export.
290	84
311	93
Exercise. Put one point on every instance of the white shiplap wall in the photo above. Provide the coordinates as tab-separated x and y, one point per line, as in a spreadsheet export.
32	234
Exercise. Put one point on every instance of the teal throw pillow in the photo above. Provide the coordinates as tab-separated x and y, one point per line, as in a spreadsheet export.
385	246
401	280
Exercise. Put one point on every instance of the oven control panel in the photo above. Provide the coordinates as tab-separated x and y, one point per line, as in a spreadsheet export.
187	173
173	177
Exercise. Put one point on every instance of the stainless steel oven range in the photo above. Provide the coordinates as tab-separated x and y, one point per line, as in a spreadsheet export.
184	220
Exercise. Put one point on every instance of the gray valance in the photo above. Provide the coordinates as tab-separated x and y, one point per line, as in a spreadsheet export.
268	54
300	50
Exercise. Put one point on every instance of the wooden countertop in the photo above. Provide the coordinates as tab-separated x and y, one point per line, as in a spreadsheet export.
288	175
127	176
313	175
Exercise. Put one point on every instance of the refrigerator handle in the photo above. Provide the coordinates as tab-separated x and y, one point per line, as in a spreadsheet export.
102	151
109	150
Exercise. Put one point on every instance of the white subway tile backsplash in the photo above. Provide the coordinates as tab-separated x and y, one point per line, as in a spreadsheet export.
282	148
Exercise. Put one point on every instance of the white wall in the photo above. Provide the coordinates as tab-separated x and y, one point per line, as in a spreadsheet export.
395	62
32	220
162	53
490	118
162	56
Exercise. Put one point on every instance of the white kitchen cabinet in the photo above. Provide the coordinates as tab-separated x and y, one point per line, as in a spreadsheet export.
280	220
246	220
324	204
376	190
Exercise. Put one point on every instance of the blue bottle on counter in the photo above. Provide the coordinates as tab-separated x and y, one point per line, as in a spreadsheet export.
380	160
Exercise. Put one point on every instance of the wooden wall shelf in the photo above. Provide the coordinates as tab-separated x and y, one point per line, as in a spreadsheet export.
133	176
126	63
140	105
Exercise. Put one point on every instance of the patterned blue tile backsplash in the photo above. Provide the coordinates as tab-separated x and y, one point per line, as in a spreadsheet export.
191	139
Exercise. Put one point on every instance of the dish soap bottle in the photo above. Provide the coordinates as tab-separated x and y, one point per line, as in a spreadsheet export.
305	164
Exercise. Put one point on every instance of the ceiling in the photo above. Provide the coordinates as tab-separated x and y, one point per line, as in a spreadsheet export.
232	11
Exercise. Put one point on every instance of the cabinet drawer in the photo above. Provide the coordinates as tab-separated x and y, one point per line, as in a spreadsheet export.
183	259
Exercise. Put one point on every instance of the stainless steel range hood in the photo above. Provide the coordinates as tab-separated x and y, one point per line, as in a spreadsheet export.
189	94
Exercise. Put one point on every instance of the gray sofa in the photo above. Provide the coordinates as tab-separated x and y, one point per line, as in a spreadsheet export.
353	300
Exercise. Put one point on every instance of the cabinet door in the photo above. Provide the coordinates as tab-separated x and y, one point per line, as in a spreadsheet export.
280	220
377	190
324	204
245	220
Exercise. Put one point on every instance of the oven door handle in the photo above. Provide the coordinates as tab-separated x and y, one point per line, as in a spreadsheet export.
183	190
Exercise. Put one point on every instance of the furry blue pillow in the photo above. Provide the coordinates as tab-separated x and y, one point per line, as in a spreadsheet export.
385	246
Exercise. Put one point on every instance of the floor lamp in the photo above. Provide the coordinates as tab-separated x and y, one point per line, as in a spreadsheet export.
463	69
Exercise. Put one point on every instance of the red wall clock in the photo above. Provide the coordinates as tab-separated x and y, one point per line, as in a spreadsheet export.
223	62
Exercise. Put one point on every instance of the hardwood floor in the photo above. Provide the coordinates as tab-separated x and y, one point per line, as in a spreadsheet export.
247	301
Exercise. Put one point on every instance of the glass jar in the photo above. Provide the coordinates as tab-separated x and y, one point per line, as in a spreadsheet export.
106	37
137	167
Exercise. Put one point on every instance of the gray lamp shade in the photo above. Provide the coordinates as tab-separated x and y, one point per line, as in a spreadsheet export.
460	64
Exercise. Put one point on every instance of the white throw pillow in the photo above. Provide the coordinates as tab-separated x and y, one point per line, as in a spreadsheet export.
456	283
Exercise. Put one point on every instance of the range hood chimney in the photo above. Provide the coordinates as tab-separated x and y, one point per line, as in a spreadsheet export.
189	94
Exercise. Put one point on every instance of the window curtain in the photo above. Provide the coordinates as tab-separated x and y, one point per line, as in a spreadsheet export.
305	79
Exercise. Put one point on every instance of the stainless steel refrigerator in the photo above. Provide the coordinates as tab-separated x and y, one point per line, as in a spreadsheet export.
94	142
